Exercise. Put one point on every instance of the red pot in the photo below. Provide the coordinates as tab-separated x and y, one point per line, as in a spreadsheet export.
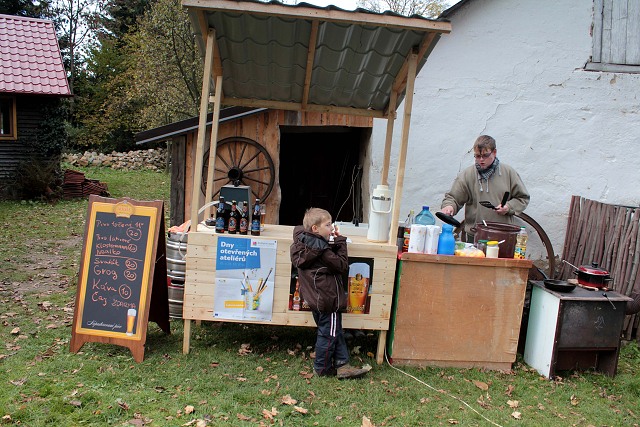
593	276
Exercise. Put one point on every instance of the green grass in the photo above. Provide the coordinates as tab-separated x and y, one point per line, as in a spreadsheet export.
43	384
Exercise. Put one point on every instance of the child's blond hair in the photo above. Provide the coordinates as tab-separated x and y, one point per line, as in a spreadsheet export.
314	216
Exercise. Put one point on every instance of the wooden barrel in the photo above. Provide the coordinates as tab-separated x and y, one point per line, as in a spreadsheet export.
176	256
176	295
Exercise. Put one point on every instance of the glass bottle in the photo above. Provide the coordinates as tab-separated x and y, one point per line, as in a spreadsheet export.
296	297
234	218
407	231
221	222
244	219
255	219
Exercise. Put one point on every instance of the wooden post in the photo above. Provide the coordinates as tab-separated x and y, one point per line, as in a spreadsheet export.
404	140
213	145
391	118
197	173
202	129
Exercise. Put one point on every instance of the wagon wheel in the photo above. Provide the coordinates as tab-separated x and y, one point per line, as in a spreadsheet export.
240	161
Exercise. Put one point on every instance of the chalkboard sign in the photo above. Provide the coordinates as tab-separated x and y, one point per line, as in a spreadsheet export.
121	257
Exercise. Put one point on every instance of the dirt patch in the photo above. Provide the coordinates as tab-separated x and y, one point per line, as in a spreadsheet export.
43	269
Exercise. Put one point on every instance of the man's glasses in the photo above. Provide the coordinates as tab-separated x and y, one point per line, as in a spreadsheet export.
483	156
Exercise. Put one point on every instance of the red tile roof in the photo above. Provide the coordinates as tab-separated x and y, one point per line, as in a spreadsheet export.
30	60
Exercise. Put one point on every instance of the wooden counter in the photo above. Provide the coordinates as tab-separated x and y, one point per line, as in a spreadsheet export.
200	282
458	312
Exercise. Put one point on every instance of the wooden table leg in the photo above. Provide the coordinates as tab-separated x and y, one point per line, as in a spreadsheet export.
382	341
186	339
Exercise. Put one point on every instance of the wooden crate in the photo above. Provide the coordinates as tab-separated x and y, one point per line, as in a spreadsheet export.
200	283
458	312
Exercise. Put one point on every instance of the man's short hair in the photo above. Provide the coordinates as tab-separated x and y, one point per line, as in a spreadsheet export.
484	143
314	216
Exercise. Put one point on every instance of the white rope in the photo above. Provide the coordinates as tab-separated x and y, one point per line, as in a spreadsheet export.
439	391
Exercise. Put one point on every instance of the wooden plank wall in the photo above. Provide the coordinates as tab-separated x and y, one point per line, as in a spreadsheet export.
201	275
608	235
264	128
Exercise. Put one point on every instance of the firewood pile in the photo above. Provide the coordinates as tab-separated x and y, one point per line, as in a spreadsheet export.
76	185
608	235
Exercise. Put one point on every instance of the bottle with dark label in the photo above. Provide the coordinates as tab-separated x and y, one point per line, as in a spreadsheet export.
255	219
244	219
234	218
221	222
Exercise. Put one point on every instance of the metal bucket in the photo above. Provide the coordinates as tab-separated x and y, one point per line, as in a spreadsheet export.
176	296
176	256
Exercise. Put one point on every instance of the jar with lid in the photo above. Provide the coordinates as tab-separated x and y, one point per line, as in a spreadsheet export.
492	249
482	245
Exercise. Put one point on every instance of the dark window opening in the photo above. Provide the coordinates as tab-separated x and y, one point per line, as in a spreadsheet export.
320	167
7	118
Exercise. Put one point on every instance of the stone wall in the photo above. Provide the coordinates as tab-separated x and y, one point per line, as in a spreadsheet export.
153	159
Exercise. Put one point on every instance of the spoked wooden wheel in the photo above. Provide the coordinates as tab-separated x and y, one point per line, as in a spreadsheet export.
240	161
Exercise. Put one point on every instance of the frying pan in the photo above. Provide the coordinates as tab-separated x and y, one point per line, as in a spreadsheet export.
559	285
487	204
448	219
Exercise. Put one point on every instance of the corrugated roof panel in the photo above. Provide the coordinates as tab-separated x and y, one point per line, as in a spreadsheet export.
358	56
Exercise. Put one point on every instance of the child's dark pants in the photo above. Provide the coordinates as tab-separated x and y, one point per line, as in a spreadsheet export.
331	348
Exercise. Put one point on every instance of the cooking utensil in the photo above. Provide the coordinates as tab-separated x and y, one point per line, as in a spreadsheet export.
604	294
592	275
558	285
448	219
488	204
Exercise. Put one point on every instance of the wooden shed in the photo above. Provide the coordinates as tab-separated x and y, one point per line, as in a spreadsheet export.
32	80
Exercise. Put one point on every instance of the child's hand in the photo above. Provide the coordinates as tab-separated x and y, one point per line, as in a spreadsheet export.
336	230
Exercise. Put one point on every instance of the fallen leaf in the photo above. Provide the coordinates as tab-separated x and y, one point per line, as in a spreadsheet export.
481	385
201	423
510	389
75	403
243	417
366	422
214	364
189	409
244	349
6	418
513	403
517	415
19	382
301	410
288	400
574	400
259	369
269	414
541	407
136	422
15	331
338	418
121	403
452	421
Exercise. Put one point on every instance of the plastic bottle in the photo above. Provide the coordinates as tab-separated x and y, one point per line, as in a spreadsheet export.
521	244
492	249
425	217
446	241
407	231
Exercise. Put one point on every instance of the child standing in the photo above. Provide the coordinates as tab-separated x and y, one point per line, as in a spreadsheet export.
321	267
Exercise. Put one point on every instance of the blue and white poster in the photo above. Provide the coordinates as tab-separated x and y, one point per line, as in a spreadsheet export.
245	277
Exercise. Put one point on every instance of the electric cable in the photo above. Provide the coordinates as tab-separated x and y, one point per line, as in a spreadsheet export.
353	181
439	391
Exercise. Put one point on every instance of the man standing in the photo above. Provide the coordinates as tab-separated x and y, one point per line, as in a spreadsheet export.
487	180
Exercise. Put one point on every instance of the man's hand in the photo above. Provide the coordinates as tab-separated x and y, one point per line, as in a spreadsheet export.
502	210
447	210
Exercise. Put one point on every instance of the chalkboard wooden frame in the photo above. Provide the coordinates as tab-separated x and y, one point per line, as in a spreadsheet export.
120	289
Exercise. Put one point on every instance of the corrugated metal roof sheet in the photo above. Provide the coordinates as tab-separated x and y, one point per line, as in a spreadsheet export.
30	60
356	58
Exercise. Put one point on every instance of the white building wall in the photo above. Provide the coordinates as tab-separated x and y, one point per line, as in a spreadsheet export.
513	69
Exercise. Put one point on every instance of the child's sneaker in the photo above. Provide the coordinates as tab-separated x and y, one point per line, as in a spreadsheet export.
349	372
331	372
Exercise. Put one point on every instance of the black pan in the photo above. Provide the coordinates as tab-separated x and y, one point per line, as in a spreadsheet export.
448	219
488	204
558	285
